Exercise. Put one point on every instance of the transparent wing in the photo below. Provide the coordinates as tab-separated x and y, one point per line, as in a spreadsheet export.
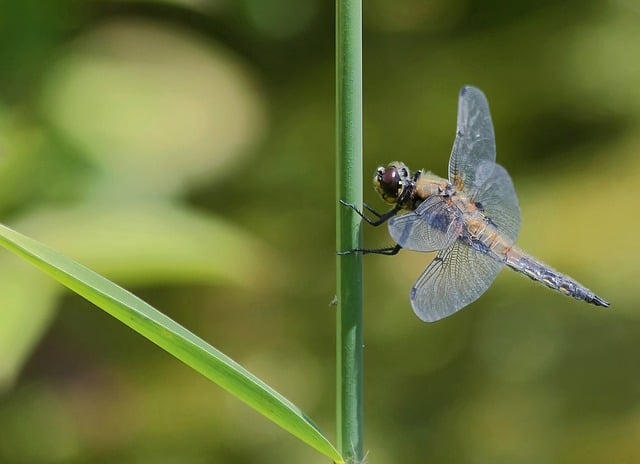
455	278
431	226
494	190
475	140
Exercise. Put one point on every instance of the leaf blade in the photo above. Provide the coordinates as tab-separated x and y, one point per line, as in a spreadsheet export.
170	336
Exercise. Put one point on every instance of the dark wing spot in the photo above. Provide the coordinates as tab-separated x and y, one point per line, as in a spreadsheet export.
440	222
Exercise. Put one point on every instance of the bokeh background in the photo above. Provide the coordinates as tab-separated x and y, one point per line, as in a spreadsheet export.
185	149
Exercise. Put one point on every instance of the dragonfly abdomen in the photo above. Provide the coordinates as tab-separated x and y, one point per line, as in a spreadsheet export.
519	261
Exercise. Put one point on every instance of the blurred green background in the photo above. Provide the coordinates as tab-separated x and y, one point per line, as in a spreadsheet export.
185	149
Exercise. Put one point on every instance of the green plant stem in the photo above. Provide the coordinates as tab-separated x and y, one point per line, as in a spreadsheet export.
349	189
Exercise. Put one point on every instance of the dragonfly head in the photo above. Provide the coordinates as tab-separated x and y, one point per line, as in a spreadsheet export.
392	182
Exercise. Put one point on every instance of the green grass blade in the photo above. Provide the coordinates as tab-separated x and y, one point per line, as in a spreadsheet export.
170	336
349	268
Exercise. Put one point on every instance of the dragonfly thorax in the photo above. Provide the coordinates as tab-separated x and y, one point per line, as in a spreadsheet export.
429	184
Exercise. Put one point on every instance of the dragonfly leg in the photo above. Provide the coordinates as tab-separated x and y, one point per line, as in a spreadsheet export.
388	251
381	217
371	210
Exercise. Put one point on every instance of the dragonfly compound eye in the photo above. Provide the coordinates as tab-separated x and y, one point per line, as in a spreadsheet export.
388	183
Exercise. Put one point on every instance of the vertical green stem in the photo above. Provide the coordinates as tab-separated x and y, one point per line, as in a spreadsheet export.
349	189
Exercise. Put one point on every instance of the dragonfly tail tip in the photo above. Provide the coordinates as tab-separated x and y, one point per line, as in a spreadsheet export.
596	300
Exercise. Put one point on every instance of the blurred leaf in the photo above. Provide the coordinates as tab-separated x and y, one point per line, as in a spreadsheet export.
37	165
154	106
157	242
25	315
170	336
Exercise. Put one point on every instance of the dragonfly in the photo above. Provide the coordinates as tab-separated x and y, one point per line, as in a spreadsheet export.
472	220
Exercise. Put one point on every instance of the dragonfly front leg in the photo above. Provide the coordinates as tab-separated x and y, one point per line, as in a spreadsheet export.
381	218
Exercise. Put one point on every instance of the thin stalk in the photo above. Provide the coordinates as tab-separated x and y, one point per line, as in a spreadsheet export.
348	234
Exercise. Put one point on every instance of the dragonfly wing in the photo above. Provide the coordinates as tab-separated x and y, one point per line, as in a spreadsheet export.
431	226
475	140
456	277
494	191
